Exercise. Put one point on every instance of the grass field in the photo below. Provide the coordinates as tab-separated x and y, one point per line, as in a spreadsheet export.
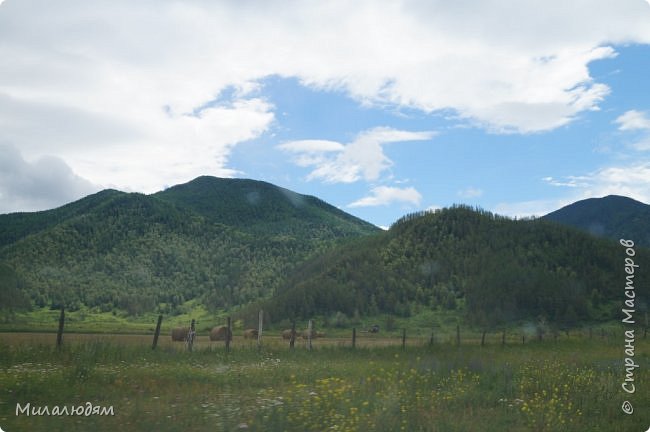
569	385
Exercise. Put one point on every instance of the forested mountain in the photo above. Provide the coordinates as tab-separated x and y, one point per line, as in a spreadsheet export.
613	217
224	241
233	242
494	268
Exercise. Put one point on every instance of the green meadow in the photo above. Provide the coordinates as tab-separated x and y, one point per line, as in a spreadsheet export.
572	384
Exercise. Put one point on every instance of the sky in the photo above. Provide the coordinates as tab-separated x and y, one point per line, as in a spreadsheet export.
380	108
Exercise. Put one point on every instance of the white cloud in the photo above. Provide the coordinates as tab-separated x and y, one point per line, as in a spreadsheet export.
636	121
312	146
628	180
124	92
363	158
633	120
531	208
632	181
385	195
643	144
570	181
470	192
37	185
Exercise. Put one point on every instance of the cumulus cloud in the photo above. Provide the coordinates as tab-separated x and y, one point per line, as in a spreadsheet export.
385	195
37	185
639	122
633	120
131	93
361	159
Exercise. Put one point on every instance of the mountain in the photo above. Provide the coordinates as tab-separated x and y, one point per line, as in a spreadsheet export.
613	217
260	207
222	241
492	268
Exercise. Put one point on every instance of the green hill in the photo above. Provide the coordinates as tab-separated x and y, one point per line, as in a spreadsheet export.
613	217
490	268
222	241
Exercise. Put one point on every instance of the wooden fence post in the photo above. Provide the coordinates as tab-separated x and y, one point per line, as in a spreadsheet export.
190	336
403	339
59	334
292	340
523	338
228	334
260	326
354	337
457	334
157	333
503	338
432	339
309	331
483	338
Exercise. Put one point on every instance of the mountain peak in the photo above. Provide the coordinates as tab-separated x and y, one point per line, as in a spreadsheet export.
612	216
247	203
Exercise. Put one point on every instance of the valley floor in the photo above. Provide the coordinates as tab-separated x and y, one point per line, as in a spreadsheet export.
569	385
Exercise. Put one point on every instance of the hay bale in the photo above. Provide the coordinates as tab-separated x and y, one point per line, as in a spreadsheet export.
179	334
314	334
250	334
286	334
219	333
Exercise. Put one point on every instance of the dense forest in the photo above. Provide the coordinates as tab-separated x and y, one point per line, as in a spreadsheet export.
494	269
234	242
223	241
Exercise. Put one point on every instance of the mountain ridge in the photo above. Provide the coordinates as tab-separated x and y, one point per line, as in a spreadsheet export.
612	216
145	252
494	268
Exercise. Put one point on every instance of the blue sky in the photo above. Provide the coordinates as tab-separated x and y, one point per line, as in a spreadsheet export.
380	109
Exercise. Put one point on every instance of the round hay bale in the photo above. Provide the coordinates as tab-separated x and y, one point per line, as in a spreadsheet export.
179	334
219	333
286	334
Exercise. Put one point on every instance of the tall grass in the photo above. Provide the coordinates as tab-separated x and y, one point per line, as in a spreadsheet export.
572	385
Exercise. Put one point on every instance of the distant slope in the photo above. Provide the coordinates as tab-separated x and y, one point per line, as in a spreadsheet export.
224	242
613	217
14	226
495	269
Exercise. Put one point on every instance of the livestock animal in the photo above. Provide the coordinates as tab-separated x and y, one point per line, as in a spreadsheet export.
219	333
250	333
180	333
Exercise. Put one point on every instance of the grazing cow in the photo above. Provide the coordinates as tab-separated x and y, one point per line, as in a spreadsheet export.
286	334
180	333
320	334
250	334
219	333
